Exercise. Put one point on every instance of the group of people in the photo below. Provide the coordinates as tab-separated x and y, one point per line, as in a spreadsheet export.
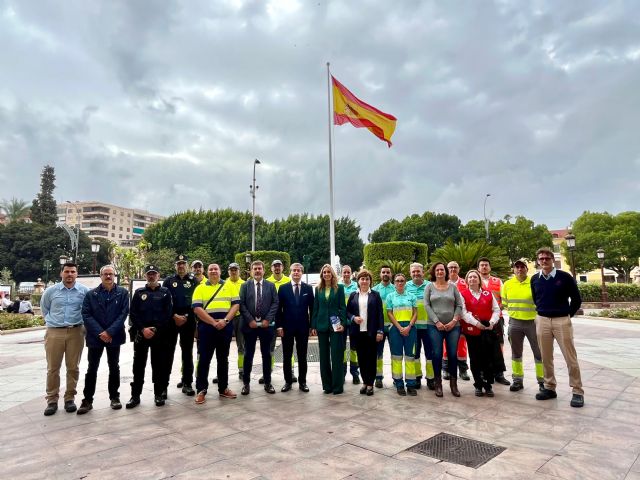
20	305
446	316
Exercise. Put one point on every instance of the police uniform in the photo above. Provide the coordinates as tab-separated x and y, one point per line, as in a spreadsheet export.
182	289
150	308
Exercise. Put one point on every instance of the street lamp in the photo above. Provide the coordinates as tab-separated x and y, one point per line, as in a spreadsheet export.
484	212
247	261
95	248
63	259
47	266
571	245
605	295
252	192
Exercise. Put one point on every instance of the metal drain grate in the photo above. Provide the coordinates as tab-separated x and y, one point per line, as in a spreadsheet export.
455	449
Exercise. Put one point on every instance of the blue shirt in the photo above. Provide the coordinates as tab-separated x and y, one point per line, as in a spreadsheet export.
62	306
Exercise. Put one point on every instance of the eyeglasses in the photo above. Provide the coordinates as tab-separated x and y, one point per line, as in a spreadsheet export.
543	259
399	281
453	268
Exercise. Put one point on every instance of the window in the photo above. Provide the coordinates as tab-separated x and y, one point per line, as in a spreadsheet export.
582	278
113	227
128	229
120	235
120	228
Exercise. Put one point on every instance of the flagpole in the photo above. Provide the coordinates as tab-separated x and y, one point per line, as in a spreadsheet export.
332	233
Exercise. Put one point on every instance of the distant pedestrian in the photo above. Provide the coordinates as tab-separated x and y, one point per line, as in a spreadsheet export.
61	306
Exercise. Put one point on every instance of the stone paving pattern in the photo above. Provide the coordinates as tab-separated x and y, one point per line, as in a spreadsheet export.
295	435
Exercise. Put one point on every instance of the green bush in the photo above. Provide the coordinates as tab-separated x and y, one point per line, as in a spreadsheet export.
12	321
267	256
402	254
617	292
630	313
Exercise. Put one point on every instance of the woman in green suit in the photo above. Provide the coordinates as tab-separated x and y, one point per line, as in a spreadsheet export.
328	322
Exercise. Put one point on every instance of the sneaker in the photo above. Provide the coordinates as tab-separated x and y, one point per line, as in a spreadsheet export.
515	386
85	406
228	394
201	397
70	406
412	391
378	384
577	401
402	392
51	409
546	394
115	404
187	389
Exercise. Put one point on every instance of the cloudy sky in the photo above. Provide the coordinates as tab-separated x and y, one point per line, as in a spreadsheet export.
165	104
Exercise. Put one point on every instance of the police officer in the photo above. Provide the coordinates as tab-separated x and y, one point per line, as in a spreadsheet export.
150	314
182	285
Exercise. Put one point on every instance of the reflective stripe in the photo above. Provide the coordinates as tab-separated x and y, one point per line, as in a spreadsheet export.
379	367
518	369
539	372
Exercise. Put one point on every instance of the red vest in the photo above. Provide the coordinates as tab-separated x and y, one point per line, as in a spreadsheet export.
493	285
481	309
461	285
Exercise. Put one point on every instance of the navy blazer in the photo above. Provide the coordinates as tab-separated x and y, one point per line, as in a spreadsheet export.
248	303
294	317
99	317
375	318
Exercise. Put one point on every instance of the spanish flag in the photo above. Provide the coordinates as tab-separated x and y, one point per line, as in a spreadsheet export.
348	108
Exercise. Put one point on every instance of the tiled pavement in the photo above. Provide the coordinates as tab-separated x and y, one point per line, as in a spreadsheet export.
297	435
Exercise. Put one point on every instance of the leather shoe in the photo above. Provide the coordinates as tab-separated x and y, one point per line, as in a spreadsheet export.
412	391
303	387
479	392
261	381
201	397
188	390
546	394
214	380
51	409
577	401
378	383
133	402
500	379
286	387
369	391
363	390
402	392
164	394
179	385
489	390
85	406
269	388
115	404
431	383
70	406
246	389
159	399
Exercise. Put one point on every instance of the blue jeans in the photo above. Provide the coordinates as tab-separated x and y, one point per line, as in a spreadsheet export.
451	337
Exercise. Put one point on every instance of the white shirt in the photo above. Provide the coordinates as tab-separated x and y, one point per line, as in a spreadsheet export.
363	299
495	309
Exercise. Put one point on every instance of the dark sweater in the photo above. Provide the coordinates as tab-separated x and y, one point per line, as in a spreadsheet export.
552	296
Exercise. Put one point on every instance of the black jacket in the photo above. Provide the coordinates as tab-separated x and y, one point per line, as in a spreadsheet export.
99	315
375	318
294	317
151	308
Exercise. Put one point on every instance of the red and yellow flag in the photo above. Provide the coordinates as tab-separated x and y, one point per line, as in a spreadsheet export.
349	108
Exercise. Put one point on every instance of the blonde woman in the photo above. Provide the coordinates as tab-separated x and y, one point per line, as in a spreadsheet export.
328	323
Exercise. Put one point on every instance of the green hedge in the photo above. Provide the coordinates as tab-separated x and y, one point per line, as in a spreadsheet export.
399	255
11	321
618	292
267	256
630	313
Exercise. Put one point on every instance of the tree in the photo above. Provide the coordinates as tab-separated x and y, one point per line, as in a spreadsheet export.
163	258
43	210
431	228
518	236
128	262
468	253
15	209
618	235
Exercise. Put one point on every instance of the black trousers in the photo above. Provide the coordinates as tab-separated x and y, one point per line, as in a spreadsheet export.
498	357
302	342
367	356
482	354
186	333
250	338
113	360
210	341
159	366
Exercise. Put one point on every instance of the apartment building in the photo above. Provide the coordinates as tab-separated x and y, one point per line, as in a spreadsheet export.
124	226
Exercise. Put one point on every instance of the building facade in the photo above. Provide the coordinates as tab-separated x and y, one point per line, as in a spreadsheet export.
123	226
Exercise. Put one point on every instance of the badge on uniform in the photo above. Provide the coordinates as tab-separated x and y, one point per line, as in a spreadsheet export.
143	296
187	284
175	284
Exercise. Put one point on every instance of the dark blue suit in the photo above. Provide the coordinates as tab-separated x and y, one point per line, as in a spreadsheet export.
294	317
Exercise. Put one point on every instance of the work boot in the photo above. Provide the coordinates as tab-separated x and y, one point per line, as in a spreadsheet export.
438	387
541	386
356	379
453	384
463	368
378	383
516	385
418	383
431	383
51	409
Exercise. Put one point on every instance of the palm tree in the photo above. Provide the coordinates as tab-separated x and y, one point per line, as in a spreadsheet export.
15	209
468	253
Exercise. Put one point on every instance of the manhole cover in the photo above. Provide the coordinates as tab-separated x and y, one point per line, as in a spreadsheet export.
455	449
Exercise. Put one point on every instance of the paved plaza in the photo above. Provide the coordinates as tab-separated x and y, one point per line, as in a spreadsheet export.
296	435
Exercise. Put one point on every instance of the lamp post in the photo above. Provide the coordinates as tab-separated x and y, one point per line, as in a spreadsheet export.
571	245
484	213
47	266
605	295
63	259
252	192
247	261
95	248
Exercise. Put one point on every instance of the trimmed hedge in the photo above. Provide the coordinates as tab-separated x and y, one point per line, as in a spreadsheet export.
267	256
618	292
630	313
12	321
400	253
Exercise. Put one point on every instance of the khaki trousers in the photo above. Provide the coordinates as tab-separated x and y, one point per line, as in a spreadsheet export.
59	343
560	329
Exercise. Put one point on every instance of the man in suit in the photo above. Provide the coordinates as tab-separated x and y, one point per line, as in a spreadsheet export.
295	307
258	307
